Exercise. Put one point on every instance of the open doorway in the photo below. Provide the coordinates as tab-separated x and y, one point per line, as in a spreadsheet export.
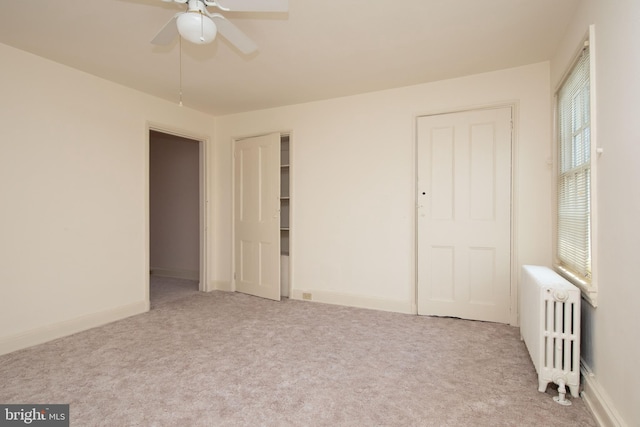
176	212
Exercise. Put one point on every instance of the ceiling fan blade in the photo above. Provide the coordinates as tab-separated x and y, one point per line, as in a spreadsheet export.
168	33
233	34
253	5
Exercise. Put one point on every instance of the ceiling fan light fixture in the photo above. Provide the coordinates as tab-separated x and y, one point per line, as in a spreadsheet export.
196	27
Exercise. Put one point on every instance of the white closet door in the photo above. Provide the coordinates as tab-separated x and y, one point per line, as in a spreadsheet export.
257	216
464	214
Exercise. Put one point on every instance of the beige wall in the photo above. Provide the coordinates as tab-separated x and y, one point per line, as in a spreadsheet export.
73	185
73	177
611	344
353	233
174	206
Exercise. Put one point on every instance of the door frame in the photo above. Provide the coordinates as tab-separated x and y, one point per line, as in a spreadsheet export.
514	269
203	143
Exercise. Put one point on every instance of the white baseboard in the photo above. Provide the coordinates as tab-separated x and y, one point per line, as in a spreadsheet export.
351	300
68	327
597	400
175	273
221	285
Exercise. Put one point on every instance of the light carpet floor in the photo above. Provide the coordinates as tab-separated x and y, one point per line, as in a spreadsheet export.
228	359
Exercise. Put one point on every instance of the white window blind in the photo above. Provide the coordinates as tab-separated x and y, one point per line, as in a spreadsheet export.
574	171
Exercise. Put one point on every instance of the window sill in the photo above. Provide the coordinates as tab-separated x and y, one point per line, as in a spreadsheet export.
588	290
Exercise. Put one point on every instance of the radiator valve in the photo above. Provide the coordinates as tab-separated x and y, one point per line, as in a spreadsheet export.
561	398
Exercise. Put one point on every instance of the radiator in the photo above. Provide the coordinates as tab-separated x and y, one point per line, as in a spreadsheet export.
550	328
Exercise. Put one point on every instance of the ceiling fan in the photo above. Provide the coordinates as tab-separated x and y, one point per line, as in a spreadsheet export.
200	26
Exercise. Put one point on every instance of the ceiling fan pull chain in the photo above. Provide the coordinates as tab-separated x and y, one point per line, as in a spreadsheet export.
180	68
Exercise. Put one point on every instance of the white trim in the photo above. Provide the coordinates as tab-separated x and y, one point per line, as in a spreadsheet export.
515	264
592	294
222	285
352	300
414	301
203	214
597	400
68	327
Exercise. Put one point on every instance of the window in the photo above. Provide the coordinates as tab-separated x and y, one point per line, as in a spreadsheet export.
574	223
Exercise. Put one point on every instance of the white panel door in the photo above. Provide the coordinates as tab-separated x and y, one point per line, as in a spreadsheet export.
257	216
464	214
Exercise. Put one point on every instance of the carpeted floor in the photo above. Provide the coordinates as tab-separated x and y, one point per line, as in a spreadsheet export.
228	359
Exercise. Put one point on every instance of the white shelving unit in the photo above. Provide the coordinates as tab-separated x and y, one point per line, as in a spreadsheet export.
285	211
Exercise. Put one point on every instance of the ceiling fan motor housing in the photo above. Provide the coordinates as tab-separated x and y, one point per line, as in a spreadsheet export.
196	27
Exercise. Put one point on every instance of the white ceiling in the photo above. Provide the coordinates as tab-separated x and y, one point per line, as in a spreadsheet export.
318	50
